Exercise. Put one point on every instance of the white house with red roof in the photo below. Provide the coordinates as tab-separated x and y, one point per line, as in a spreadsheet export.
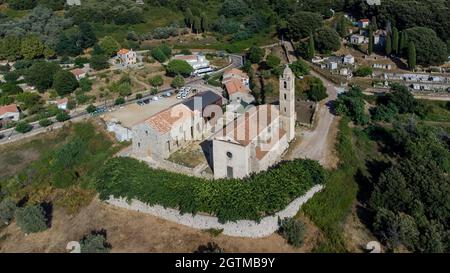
127	56
364	23
61	103
9	113
78	73
237	86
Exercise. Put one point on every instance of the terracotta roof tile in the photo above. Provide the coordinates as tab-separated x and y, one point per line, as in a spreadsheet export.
165	120
12	108
234	86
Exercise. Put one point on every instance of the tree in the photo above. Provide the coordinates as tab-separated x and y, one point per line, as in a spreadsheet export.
326	40
62	116
119	101
371	41
403	43
299	68
395	41
342	27
351	104
31	219
176	67
197	25
363	71
430	49
402	98
273	61
293	231
233	8
86	37
411	56
109	45
45	122
205	23
10	48
31	47
311	51
388	46
189	18
302	24
159	55
157	81
99	62
94	243
64	82
317	91
68	45
7	209
23	127
256	54
91	108
177	82
41	75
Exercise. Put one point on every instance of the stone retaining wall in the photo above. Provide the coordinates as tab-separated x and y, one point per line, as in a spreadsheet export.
242	228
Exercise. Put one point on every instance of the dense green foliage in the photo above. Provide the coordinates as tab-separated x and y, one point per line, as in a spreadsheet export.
351	104
7	210
31	219
317	91
430	49
299	68
23	127
230	200
293	231
302	24
327	40
179	67
64	82
94	243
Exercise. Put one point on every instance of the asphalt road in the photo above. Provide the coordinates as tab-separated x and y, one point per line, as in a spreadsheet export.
11	135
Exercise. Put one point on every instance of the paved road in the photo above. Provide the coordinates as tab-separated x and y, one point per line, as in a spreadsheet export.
10	135
318	143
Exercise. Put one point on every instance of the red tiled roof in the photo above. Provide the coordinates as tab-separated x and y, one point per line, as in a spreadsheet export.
234	86
235	71
78	71
123	51
365	20
248	126
62	101
12	108
186	57
165	120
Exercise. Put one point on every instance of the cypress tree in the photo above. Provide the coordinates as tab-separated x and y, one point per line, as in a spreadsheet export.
388	47
411	56
395	41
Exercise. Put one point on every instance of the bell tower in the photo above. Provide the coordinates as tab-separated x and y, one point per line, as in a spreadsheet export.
288	115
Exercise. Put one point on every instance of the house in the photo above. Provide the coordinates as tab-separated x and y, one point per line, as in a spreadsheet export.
237	86
235	73
61	103
78	73
173	128
358	39
363	23
127	57
349	59
255	140
198	62
9	113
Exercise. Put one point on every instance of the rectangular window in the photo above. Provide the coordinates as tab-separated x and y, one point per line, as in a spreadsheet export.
229	172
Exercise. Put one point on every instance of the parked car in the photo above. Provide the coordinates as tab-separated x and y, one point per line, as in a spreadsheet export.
168	94
155	98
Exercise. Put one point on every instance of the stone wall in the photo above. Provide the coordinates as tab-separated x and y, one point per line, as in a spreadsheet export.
242	228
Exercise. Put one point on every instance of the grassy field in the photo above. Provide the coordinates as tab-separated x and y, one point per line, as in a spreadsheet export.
438	111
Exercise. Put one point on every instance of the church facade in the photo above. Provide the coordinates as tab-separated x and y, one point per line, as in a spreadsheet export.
256	140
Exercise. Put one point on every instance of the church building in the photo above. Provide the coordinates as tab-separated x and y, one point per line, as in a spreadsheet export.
257	139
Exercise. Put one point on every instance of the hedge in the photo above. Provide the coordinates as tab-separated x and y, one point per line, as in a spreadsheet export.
228	199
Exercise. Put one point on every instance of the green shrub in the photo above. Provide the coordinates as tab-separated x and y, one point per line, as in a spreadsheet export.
62	116
91	108
228	199
45	122
7	210
293	231
23	127
31	219
94	243
119	101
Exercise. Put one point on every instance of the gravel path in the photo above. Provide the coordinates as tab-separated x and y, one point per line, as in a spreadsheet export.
242	228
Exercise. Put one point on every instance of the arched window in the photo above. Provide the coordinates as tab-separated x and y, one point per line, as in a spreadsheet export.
285	97
285	85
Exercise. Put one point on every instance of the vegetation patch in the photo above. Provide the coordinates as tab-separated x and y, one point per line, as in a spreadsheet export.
228	199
